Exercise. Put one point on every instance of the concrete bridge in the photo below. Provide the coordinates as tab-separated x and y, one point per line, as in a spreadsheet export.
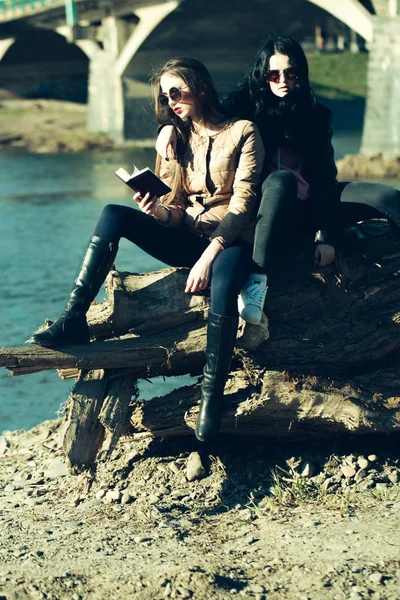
123	40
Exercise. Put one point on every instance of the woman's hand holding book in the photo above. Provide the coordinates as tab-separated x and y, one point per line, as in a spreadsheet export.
148	204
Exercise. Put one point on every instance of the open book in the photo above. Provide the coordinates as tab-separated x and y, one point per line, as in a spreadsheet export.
143	181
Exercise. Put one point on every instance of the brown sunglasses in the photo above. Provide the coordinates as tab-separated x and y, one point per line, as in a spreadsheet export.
290	74
173	93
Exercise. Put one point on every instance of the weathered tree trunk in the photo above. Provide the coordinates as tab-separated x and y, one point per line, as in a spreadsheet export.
83	432
330	365
277	405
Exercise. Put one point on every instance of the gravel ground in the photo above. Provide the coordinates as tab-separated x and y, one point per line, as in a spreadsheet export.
160	520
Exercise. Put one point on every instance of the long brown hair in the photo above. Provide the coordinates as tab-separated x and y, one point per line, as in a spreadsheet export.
198	79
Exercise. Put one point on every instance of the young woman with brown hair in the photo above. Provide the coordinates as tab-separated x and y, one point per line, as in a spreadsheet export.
206	223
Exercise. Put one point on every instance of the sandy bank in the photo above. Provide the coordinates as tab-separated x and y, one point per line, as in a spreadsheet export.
47	126
376	166
251	527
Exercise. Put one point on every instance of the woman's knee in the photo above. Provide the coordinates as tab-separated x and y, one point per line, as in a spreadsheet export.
283	180
113	211
387	199
112	221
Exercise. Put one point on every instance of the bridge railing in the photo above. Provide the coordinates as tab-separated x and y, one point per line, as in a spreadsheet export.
10	9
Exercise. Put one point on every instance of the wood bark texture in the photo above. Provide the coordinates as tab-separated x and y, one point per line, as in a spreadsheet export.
330	365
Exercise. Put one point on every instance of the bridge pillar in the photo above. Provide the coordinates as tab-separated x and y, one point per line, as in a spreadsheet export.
4	46
106	90
382	118
105	96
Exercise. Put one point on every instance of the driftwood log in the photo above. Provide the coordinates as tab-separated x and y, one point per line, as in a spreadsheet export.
325	362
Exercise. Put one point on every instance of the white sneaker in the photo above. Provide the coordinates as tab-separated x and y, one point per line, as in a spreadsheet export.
252	297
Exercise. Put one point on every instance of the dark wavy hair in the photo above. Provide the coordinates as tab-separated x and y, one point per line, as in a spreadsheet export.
253	98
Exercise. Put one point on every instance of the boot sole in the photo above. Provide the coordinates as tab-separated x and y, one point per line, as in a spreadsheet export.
52	345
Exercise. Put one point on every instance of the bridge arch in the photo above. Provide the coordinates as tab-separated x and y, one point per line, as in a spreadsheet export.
29	70
350	12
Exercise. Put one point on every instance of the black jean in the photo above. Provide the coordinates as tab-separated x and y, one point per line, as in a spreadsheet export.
282	215
178	247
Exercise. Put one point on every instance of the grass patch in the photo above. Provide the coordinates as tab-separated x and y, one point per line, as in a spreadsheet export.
339	76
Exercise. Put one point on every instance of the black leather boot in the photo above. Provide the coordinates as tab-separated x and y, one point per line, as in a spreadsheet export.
221	336
72	327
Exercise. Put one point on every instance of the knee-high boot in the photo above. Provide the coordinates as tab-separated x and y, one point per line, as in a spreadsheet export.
71	327
221	336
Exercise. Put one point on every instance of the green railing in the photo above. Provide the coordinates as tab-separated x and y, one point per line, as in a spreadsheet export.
11	8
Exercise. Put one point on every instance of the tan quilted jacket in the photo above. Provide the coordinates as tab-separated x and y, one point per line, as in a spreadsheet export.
222	174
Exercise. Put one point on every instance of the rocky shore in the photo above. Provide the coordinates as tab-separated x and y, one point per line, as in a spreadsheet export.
170	519
376	166
47	126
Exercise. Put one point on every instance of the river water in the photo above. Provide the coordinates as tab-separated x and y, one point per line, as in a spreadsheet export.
49	205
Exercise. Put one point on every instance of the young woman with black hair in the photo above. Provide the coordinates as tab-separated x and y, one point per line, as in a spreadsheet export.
300	193
206	223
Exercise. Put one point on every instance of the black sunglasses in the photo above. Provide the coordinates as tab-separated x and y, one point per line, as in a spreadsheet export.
290	74
174	93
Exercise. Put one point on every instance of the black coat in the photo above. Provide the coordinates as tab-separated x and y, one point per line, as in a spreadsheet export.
316	153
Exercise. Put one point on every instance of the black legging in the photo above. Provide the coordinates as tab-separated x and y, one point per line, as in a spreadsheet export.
283	215
178	247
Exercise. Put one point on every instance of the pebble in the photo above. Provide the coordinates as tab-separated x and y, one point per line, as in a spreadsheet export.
393	477
174	467
100	494
183	592
367	484
185	523
4	445
126	498
181	493
328	482
153	499
376	577
360	475
307	469
348	471
194	468
56	468
256	588
381	486
246	515
164	490
167	590
141	539
362	462
356	569
90	503
372	457
33	501
113	496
